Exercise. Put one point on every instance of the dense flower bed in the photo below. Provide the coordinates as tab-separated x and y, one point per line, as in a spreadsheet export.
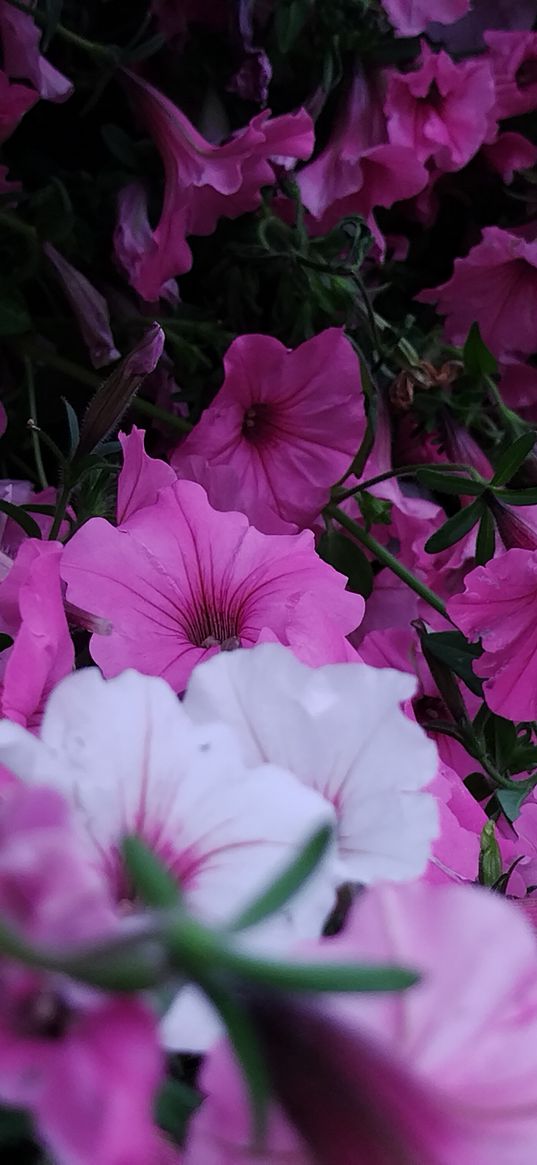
268	582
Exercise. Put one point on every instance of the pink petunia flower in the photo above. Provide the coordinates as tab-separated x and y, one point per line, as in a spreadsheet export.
21	38
441	110
495	285
32	612
86	1065
359	169
180	581
287	423
203	182
129	759
410	17
510	152
513	57
399	1078
336	728
498	607
15	101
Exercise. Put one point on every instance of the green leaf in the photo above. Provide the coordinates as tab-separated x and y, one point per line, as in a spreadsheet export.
121	146
289	22
490	861
449	483
15	1125
349	560
486	539
455	528
511	801
51	211
244	1040
517	497
478	359
174	1106
14	318
513	458
22	519
74	428
147	49
453	650
150	877
375	511
290	880
54	11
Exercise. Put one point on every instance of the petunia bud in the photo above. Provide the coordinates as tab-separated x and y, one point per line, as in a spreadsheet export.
513	529
351	1102
114	396
89	307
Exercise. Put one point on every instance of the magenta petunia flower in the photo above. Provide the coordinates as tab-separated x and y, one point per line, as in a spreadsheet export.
359	168
15	101
412	16
441	110
32	612
498	607
83	1063
203	182
179	581
22	59
513	57
495	285
288	423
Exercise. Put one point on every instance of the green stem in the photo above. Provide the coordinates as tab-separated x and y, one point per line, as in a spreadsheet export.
61	507
386	558
83	375
403	471
34	428
87	46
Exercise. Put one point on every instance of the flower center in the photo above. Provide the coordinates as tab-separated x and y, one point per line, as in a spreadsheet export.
207	626
258	423
44	1016
434	97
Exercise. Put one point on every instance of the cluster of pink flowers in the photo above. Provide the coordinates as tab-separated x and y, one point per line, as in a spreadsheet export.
190	665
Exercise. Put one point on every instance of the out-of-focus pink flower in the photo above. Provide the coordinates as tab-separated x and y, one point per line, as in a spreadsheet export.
441	110
292	715
129	759
509	153
359	168
399	1078
89	307
84	1064
455	851
519	389
180	581
288	423
513	57
15	101
21	55
498	607
495	285
203	182
410	17
21	493
32	611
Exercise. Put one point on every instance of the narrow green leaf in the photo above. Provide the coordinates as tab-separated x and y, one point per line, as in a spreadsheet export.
478	359
150	877
22	519
174	1106
74	428
290	880
455	528
244	1040
14	317
54	12
486	539
344	977
346	557
513	458
517	497
450	483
